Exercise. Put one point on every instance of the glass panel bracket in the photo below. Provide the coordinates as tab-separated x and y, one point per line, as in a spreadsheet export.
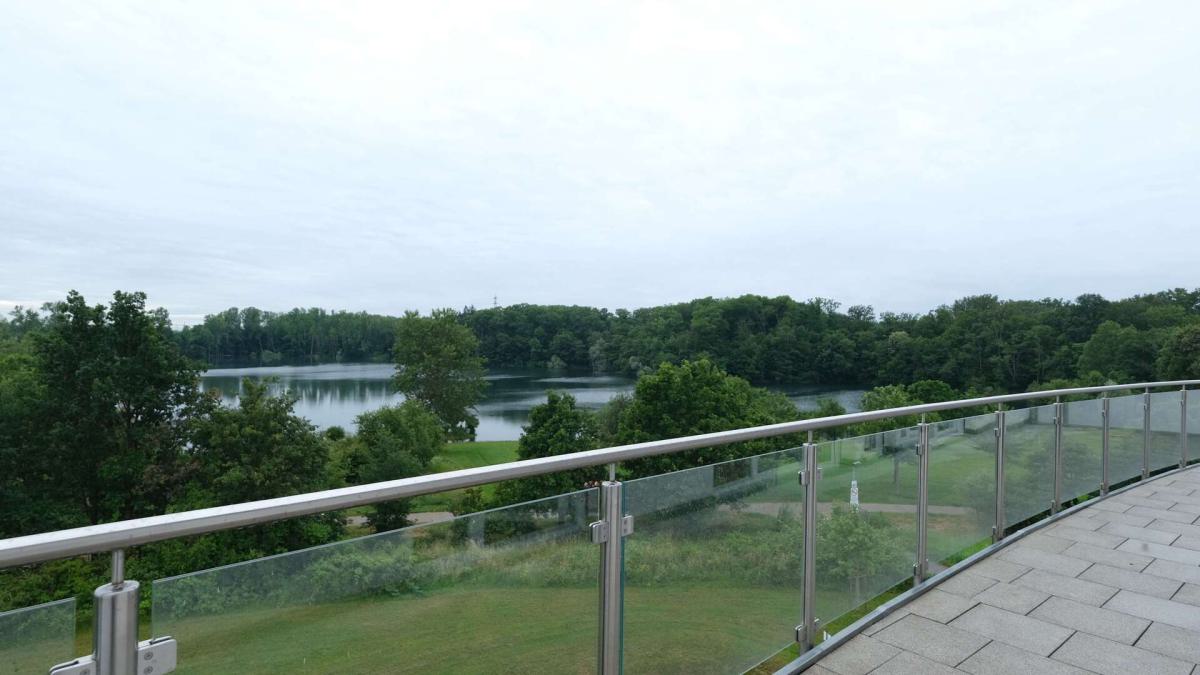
154	657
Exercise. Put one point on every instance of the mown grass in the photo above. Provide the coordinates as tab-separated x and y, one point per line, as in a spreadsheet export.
464	456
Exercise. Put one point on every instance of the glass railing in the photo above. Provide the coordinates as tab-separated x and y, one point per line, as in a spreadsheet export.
508	590
711	559
34	638
713	570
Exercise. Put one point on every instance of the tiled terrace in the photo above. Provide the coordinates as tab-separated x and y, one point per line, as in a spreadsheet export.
1112	589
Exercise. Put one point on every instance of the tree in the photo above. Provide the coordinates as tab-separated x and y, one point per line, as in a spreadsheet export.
556	427
259	450
1179	358
395	442
855	545
438	364
116	396
697	397
1118	352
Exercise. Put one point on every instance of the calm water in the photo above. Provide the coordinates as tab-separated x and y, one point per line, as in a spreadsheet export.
334	394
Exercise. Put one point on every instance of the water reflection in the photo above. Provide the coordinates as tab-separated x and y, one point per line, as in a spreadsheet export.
334	394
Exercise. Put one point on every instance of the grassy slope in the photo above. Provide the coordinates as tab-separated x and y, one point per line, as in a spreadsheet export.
465	456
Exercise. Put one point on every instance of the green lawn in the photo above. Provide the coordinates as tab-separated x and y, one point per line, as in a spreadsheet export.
464	456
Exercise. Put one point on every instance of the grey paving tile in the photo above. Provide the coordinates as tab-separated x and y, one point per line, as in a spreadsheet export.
1190	594
1087	592
1171	641
1085	536
966	584
1081	521
818	669
1174	570
1014	598
1149	584
998	658
1108	556
1108	505
1185	507
905	663
1126	518
1051	562
1177	528
885	622
1182	555
940	606
1180	498
1188	542
1000	570
1103	623
1161	514
1174	491
939	642
1018	630
1042	542
1155	609
1139	533
1113	658
1134	500
859	656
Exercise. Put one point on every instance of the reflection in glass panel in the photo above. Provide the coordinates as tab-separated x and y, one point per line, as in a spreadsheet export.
33	639
713	570
866	522
1028	463
1083	447
508	590
962	488
1125	441
1165	410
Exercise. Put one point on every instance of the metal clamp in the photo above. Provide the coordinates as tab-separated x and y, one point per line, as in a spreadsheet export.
804	475
154	657
600	529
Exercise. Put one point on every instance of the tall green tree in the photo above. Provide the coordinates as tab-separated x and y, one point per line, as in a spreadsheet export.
1179	358
557	427
438	364
395	442
697	397
116	395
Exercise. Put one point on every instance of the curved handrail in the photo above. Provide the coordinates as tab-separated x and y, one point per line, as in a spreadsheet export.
123	534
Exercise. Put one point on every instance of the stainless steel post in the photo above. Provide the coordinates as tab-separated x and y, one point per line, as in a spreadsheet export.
1104	481
998	528
1146	435
1058	456
921	567
612	557
115	641
1183	430
808	478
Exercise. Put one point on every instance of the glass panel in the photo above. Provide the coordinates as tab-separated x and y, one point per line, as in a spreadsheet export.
507	590
1125	426
962	488
1164	430
713	572
866	522
1193	425
1028	463
1083	447
35	638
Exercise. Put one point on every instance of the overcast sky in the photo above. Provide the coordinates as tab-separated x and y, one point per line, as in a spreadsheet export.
393	155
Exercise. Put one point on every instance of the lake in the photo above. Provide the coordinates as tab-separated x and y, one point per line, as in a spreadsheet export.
334	394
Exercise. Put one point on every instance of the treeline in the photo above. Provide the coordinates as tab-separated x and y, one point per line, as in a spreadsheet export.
251	336
980	343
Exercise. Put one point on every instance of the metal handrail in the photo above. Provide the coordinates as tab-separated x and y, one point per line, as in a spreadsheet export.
123	534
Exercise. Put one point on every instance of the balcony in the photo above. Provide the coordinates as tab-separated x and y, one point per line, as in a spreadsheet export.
973	542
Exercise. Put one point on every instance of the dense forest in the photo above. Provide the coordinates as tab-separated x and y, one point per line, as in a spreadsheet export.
980	342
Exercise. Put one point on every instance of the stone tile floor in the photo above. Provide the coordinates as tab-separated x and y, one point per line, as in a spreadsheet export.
1112	589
